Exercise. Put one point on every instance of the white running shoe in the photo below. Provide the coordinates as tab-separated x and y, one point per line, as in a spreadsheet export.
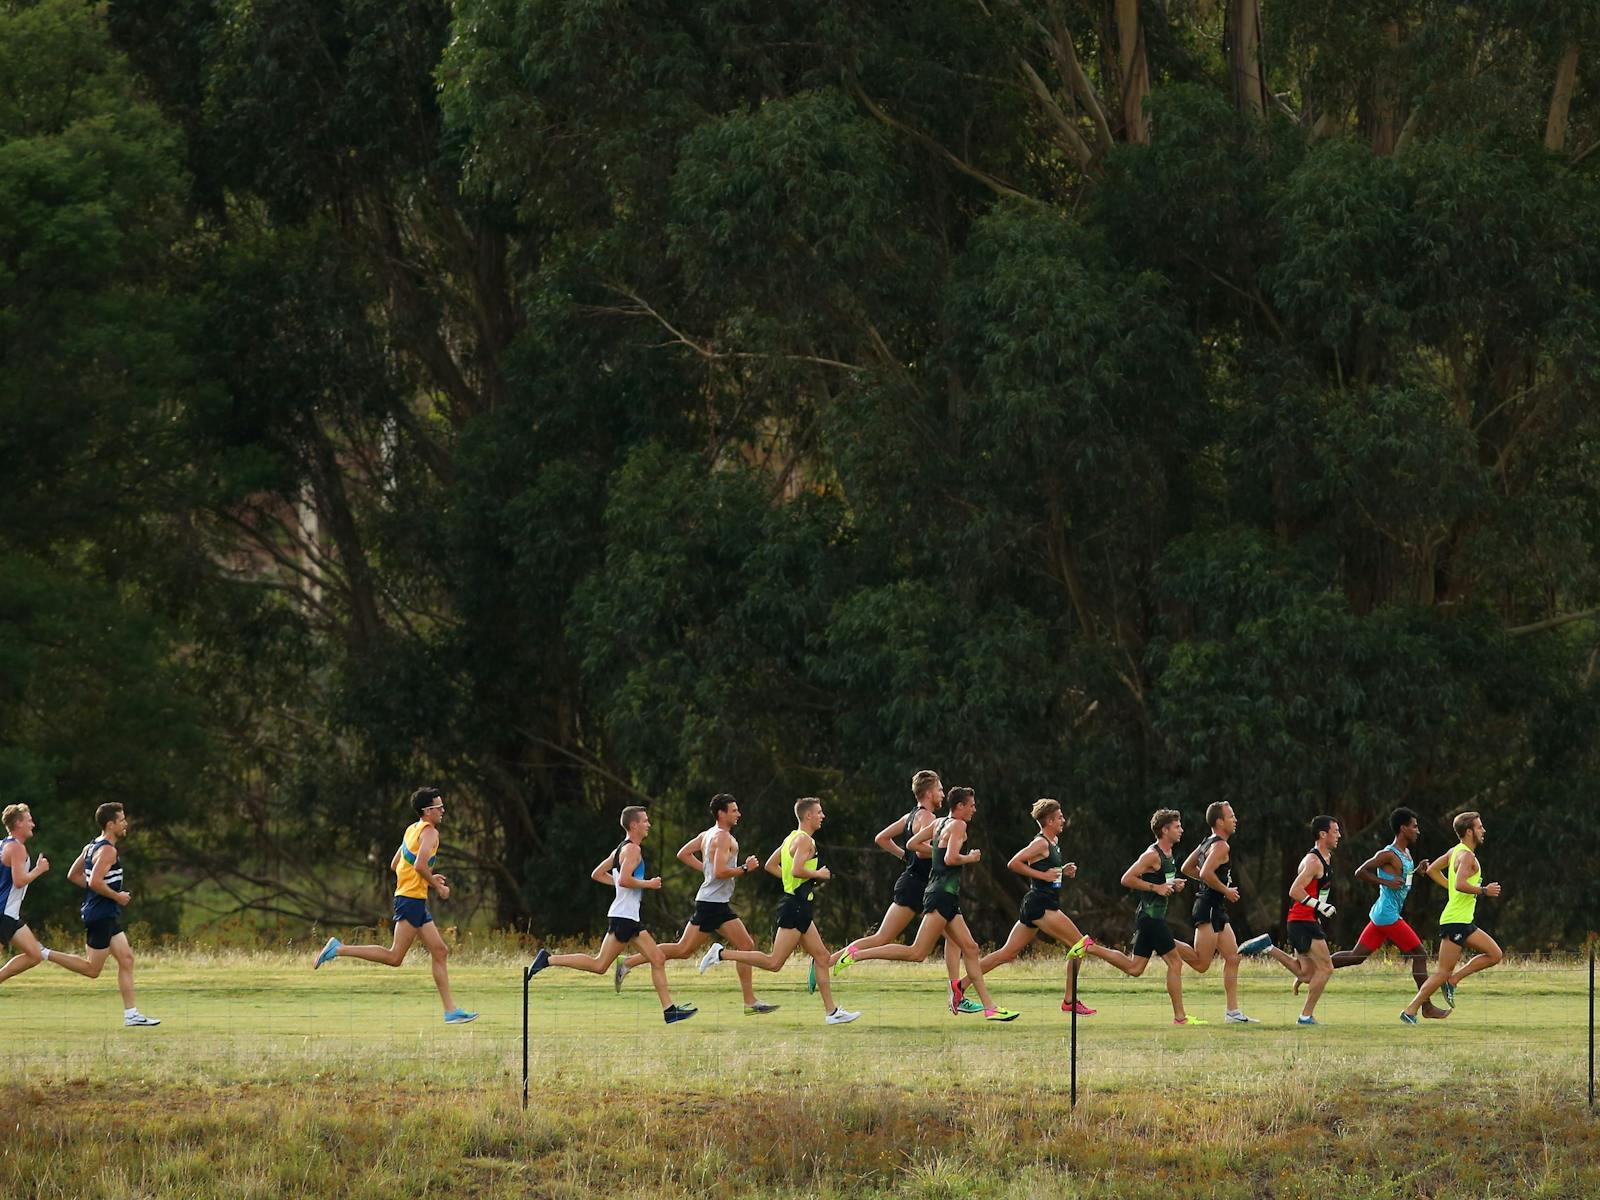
1235	1016
621	972
841	1016
139	1019
711	957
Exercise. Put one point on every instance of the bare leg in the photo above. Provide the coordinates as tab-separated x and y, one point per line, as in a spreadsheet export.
27	954
1125	963
813	945
1351	957
928	934
1449	955
658	966
595	964
1320	969
390	956
1488	954
1205	947
1062	927
895	919
1020	938
123	953
1419	975
1228	944
970	955
1175	983
439	954
782	946
688	941
736	935
88	967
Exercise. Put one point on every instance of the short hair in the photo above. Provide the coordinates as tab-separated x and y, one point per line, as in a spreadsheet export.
922	781
956	796
1321	825
107	813
1461	824
424	797
1043	808
631	815
720	804
13	814
804	805
1400	818
1161	818
1214	811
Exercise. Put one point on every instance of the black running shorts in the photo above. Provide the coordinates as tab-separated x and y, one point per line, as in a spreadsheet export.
1457	933
794	913
946	904
624	929
712	915
1211	909
1034	905
99	933
908	889
1152	937
1303	933
8	929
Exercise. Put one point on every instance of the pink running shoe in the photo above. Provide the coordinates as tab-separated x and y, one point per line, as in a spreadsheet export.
1079	1007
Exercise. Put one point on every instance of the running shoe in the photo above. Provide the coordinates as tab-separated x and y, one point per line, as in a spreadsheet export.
540	961
329	950
1189	1021
1080	946
1078	1006
1000	1014
1406	1018
811	978
968	1006
459	1016
759	1008
956	992
841	1016
1302	1019
1257	944
619	973
711	957
674	1013
138	1020
1235	1016
1448	991
846	960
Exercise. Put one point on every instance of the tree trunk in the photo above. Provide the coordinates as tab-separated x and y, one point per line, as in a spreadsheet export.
1243	35
1133	71
1555	127
1383	114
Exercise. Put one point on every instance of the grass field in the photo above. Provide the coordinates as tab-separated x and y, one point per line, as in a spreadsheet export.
267	1079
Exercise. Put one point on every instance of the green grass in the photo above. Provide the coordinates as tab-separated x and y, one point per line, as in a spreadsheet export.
267	1079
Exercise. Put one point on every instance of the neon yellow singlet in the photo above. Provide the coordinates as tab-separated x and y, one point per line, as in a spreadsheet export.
1461	906
406	880
791	882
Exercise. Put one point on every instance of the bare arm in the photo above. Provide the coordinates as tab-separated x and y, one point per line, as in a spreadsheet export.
1191	865
884	839
1367	872
774	863
103	862
1022	861
922	839
723	865
953	857
689	854
1148	861
1438	869
427	846
75	871
631	854
1214	863
1299	890
20	875
1465	866
804	848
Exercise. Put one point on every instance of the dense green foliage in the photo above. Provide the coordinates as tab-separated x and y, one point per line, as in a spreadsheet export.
575	401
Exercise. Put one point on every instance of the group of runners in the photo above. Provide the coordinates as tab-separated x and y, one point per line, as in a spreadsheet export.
934	850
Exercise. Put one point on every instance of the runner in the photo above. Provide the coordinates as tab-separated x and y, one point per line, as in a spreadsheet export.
1390	870
414	875
16	873
1154	875
98	870
797	864
927	793
623	869
1044	865
1462	876
941	906
1210	864
1309	894
715	854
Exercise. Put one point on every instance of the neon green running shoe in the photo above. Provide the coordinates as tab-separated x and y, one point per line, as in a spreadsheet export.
1190	1021
1080	946
1000	1014
846	960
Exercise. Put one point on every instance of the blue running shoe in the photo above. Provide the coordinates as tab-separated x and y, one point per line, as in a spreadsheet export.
540	961
1304	1020
678	1012
1256	945
460	1017
1448	990
331	948
1406	1018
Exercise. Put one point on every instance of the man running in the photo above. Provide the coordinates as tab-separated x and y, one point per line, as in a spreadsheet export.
1154	876
98	870
1044	864
1461	875
623	869
16	873
715	854
941	906
1310	904
797	864
1210	865
414	875
927	794
1390	870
